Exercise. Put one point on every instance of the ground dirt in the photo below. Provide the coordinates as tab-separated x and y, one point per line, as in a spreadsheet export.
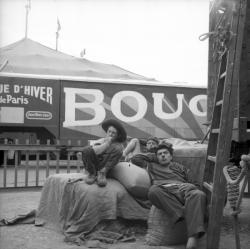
28	236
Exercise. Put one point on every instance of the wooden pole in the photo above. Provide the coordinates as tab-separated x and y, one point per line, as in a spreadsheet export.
57	36
27	6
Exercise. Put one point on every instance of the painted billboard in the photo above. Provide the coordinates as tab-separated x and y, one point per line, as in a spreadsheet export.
144	110
75	109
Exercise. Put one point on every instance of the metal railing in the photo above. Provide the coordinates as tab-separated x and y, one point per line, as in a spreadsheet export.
28	165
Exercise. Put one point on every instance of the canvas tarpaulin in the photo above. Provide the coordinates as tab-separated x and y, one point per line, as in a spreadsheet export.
30	57
68	204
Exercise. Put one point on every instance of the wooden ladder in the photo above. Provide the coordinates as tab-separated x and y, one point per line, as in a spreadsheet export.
227	39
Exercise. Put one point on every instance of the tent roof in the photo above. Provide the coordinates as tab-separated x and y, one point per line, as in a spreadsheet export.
28	57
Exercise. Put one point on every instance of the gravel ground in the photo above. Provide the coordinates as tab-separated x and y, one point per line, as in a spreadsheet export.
32	237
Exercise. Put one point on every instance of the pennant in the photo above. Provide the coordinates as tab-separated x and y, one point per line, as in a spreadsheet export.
28	5
58	25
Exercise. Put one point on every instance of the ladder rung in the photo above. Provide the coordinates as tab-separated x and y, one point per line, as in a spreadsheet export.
219	102
211	158
208	186
223	75
215	130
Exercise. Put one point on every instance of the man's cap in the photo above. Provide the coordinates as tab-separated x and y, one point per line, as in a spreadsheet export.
155	139
165	145
122	134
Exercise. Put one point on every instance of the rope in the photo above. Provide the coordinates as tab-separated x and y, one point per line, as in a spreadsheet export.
233	189
205	36
234	174
220	37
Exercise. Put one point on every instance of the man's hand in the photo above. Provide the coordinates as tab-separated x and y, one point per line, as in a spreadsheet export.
99	149
128	157
187	186
108	140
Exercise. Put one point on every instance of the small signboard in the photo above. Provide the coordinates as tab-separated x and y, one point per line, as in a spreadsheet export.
29	102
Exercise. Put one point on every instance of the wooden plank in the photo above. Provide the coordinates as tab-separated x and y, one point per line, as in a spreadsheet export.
208	186
248	181
68	158
5	168
28	150
218	103
212	158
37	165
26	165
68	162
47	159
223	75
217	94
16	165
36	147
30	147
47	163
216	131
244	88
26	168
79	157
224	141
57	158
79	161
240	130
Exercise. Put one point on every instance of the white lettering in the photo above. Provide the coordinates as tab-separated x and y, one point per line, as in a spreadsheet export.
9	98
42	93
116	105
158	99
27	90
193	105
71	106
4	88
35	91
16	89
91	101
49	95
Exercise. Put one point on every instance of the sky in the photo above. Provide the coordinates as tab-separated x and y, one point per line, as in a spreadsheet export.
155	38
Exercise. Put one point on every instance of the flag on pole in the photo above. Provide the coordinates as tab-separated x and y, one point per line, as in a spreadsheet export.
83	52
58	25
57	32
28	5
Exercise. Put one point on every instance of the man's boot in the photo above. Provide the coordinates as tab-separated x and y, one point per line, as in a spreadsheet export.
101	178
90	179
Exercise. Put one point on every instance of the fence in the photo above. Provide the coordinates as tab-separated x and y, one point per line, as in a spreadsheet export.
28	165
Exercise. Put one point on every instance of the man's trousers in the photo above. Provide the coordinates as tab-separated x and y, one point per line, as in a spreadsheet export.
181	202
90	160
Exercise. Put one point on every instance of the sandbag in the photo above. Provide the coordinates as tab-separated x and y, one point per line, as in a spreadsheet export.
135	179
191	154
163	233
178	142
193	158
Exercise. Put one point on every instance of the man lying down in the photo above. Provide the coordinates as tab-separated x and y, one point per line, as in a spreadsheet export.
173	191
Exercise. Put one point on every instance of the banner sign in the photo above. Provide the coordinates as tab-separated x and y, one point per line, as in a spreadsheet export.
29	102
144	110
